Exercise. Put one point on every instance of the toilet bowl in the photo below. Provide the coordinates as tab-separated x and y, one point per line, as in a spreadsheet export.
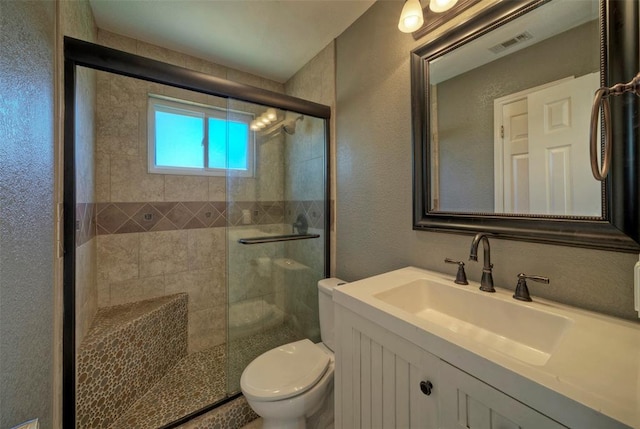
290	384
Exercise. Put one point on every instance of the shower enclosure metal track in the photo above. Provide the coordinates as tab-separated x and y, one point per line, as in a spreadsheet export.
276	238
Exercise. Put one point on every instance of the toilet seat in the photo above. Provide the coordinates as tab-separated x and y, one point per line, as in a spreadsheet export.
285	371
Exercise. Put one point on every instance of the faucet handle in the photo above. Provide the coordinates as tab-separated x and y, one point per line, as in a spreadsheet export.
461	276
522	291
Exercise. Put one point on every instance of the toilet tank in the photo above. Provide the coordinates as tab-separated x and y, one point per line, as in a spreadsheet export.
325	308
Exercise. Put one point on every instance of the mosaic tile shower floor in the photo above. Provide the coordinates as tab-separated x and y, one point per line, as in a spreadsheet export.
193	383
200	379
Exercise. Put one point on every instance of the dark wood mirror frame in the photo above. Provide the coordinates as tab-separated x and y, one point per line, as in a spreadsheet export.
78	53
619	228
434	20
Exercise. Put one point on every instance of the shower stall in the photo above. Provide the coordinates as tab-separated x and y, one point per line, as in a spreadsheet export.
198	234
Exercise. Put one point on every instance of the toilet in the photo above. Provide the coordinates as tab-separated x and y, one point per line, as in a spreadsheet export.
292	383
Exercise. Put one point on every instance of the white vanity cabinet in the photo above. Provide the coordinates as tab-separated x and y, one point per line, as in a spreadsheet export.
378	376
494	362
467	402
378	385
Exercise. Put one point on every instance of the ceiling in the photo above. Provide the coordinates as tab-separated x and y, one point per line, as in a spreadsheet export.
269	38
546	21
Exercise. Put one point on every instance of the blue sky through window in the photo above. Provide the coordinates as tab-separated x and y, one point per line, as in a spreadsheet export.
179	140
179	132
228	144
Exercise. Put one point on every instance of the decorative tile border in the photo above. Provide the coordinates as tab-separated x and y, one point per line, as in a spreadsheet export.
313	210
122	218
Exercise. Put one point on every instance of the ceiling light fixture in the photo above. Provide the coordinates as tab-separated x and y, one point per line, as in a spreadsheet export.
264	119
411	17
439	6
268	117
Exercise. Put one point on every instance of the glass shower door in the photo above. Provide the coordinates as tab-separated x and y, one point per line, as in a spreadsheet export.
275	236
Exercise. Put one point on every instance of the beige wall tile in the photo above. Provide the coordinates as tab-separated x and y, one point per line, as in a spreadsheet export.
84	134
207	67
207	328
137	290
184	94
272	85
161	54
116	41
207	249
104	292
130	181
77	20
117	130
217	188
86	288
220	102
118	257
316	80
163	252
219	260
122	91
241	189
201	248
206	289
103	177
186	188
270	172
253	80
317	137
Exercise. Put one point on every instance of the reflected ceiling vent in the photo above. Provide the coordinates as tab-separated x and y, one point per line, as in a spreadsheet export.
507	44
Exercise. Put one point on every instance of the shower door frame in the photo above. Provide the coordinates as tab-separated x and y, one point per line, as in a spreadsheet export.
78	53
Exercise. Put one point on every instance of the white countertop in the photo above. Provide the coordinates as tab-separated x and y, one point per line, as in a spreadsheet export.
596	364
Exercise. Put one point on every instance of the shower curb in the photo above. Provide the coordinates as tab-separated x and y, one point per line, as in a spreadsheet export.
232	415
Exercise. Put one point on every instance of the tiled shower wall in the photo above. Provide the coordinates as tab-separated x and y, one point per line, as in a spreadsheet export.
304	159
76	21
164	234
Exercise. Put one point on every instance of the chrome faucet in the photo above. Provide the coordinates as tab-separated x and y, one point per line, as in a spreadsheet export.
486	283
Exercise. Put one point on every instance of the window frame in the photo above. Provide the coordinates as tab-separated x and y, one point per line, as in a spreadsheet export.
174	105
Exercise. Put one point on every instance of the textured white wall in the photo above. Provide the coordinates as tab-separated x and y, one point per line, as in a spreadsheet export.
374	185
26	210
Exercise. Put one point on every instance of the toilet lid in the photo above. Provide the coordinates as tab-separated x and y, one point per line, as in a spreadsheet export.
285	371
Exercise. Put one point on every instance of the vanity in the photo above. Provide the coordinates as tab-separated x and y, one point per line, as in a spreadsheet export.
414	349
491	100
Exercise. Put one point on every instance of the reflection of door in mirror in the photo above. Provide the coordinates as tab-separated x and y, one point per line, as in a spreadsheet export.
541	152
559	39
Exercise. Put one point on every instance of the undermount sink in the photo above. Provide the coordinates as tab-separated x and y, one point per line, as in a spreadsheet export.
512	328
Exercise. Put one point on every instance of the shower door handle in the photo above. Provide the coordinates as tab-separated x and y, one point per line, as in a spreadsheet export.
277	238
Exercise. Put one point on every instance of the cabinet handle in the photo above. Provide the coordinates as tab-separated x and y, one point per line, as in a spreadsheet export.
426	387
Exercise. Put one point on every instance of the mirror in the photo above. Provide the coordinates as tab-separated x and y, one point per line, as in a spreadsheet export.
510	116
501	109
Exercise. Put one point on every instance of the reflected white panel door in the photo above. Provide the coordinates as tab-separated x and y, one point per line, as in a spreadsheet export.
560	181
515	140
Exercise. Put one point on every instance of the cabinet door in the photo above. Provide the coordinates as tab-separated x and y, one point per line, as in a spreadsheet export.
378	381
467	402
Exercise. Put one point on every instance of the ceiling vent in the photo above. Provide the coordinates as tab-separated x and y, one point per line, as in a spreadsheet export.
507	44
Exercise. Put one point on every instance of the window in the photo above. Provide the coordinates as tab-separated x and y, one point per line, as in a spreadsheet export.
194	139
